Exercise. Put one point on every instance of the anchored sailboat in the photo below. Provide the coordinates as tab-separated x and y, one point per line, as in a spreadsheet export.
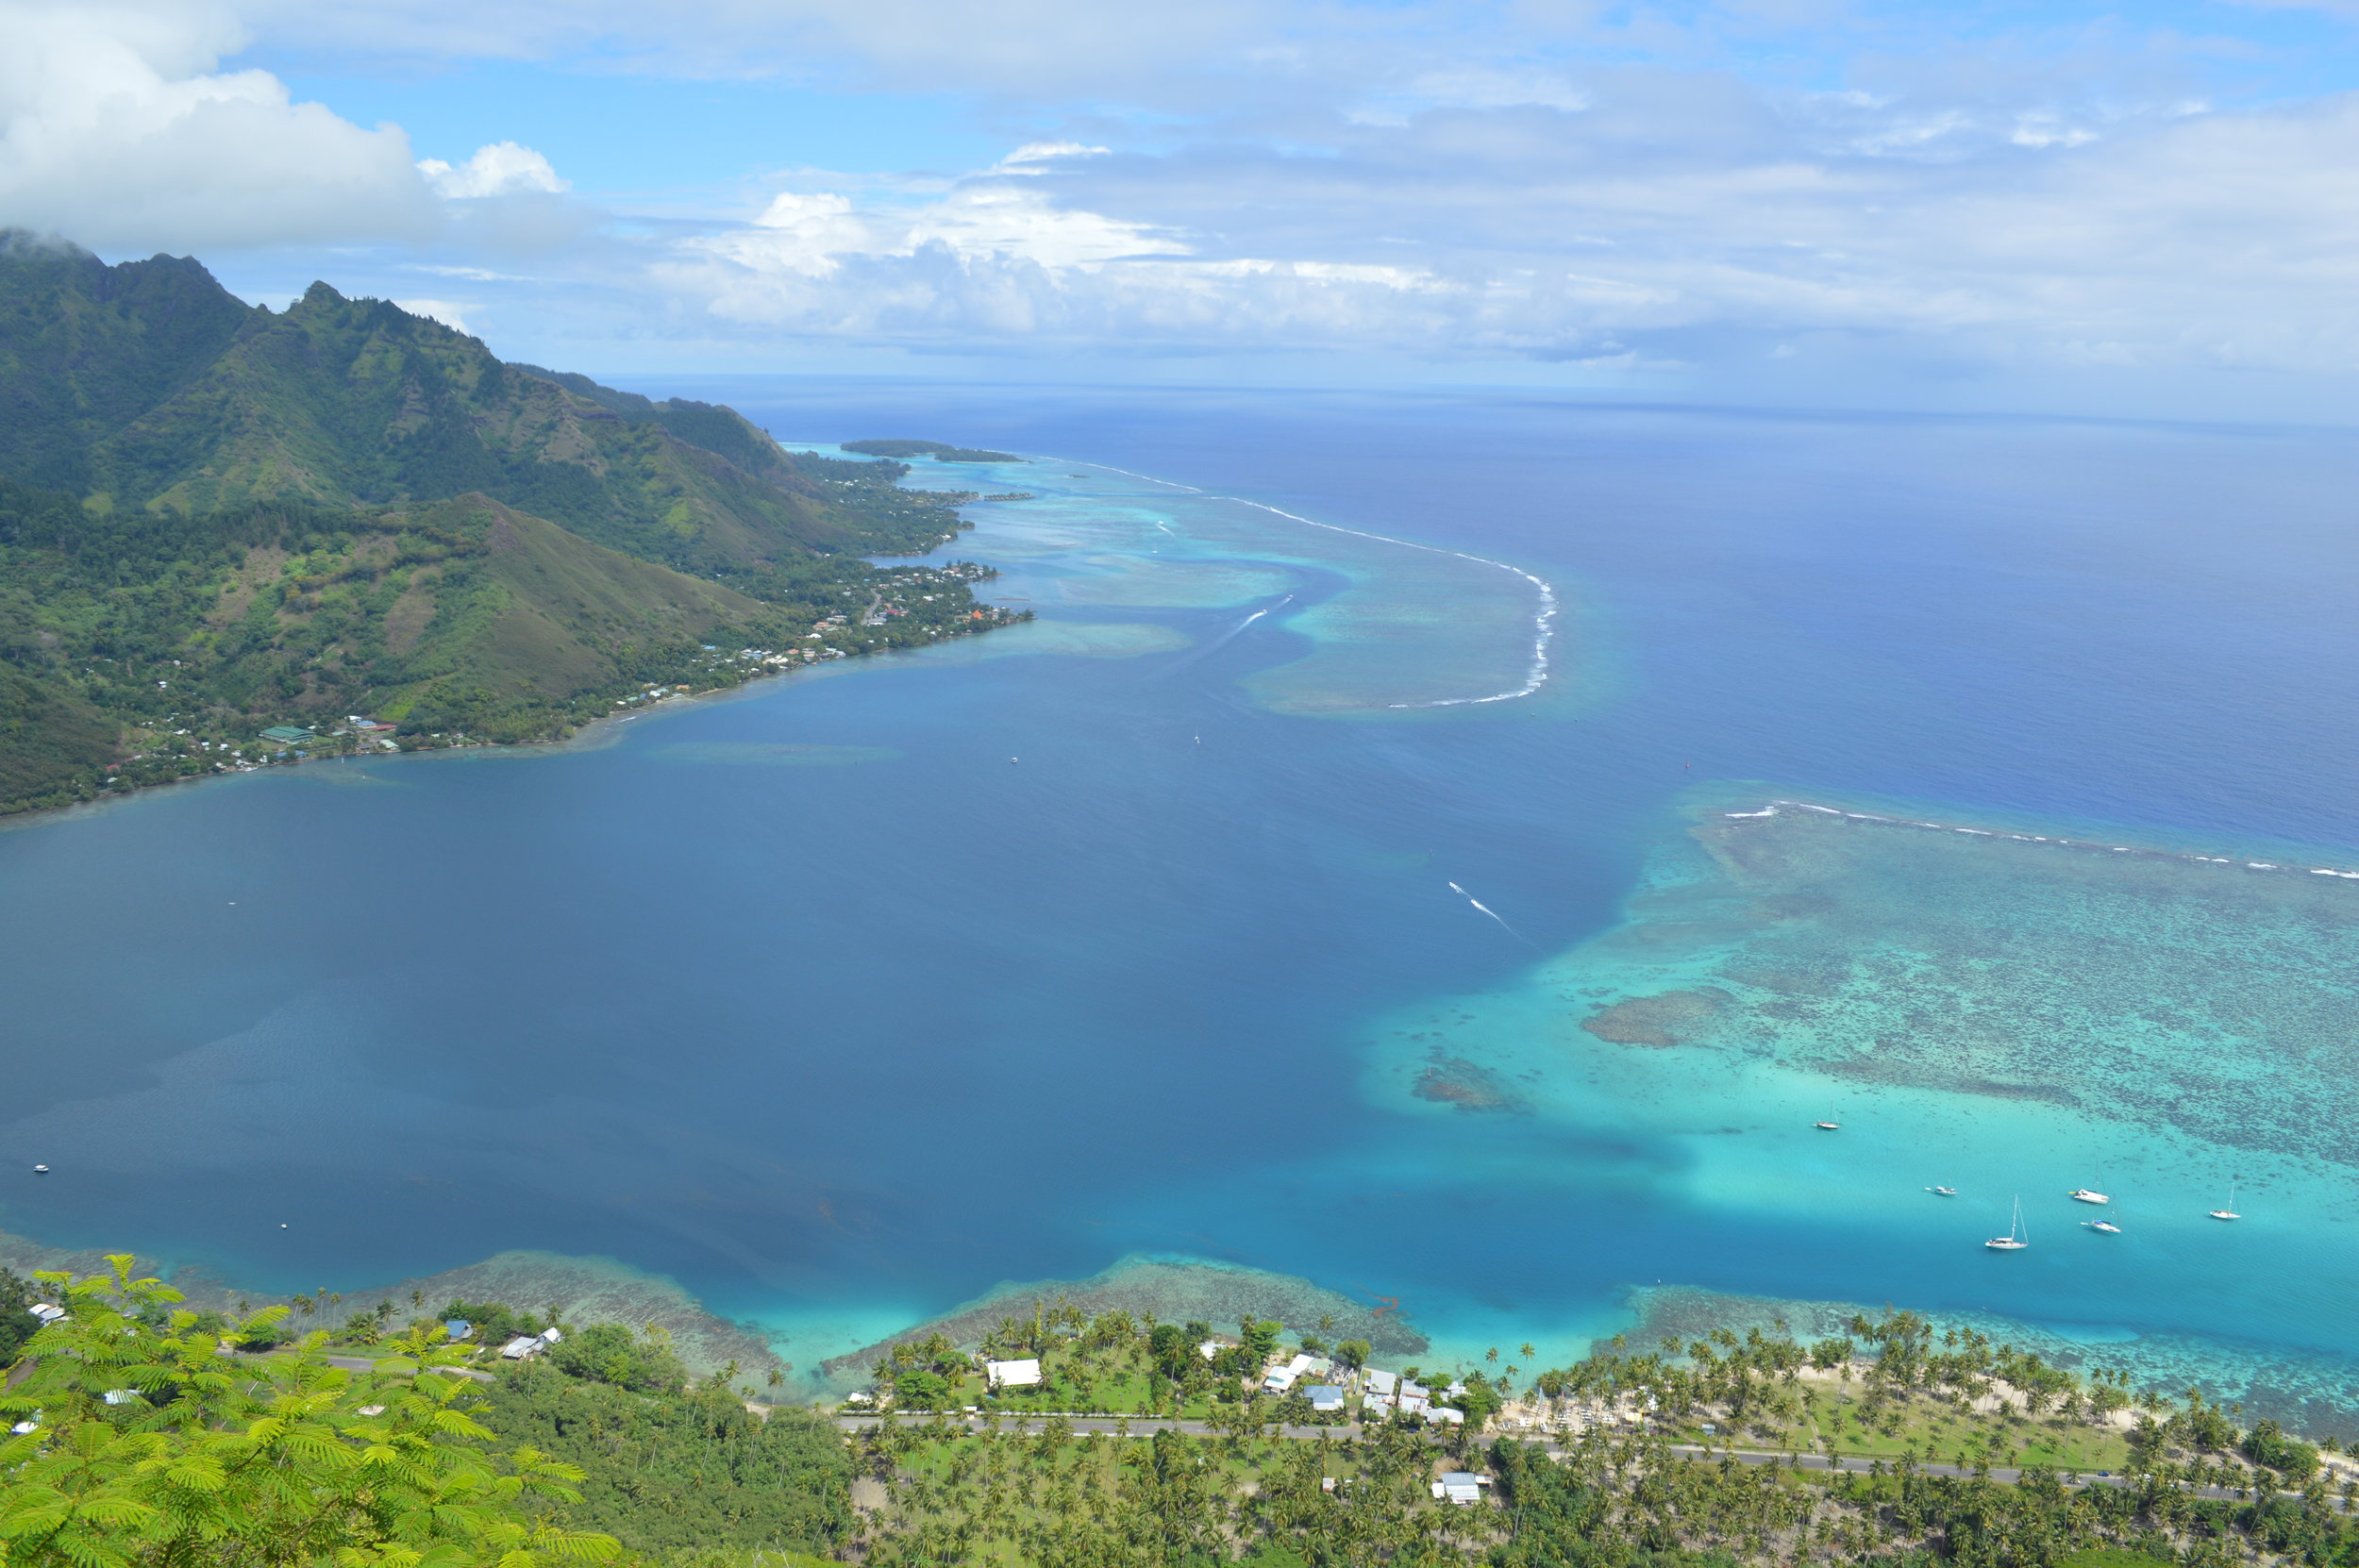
2014	1240
2088	1194
2229	1213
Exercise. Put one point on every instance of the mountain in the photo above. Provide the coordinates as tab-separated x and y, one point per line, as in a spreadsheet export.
148	384
216	518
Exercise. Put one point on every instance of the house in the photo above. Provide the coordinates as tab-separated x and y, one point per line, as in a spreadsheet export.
1383	1384
1210	1348
286	734
456	1329
1444	1415
552	1336
1280	1379
1462	1488
47	1312
1013	1374
523	1347
1326	1398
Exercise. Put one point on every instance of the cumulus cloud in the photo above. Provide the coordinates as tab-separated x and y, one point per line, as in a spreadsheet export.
1713	224
120	129
116	128
451	315
500	169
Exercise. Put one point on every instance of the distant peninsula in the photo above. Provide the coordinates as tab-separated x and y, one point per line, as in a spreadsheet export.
232	537
933	449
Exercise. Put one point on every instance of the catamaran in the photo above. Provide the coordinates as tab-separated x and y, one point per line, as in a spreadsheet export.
2229	1213
2014	1240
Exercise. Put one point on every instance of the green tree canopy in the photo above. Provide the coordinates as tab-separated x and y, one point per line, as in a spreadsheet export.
155	1445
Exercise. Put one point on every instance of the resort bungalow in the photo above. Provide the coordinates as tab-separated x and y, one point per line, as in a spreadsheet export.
1326	1398
1013	1374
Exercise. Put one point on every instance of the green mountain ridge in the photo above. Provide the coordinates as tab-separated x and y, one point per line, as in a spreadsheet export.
215	516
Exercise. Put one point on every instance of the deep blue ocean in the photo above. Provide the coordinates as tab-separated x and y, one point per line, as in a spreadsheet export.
815	1000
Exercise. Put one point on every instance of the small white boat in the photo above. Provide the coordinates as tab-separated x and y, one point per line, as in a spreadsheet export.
2229	1213
41	1169
1827	1126
2013	1241
2106	1225
1943	1191
2088	1194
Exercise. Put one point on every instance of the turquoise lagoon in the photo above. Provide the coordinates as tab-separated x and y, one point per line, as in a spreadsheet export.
1150	928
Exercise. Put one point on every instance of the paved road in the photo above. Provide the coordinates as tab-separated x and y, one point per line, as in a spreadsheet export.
1143	1424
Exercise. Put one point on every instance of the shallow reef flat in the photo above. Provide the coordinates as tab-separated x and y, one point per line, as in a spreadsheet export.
2010	1010
585	1289
2213	995
1171	1289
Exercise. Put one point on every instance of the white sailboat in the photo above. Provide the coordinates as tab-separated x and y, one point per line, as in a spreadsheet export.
2229	1213
2106	1225
2014	1240
1943	1191
2088	1194
1830	1125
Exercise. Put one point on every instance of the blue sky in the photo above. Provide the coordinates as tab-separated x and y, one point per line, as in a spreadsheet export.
2147	209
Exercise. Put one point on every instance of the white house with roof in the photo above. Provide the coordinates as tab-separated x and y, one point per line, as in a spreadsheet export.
1282	1376
1013	1374
1459	1488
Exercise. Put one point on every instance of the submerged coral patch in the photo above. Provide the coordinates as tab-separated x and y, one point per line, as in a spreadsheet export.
1670	1018
2217	995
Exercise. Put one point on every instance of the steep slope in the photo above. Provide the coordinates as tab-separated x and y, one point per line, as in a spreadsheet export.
356	401
149	385
529	617
85	349
216	519
138	646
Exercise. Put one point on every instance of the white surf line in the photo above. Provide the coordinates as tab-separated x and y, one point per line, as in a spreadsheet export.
1493	914
1127	473
1774	807
1543	625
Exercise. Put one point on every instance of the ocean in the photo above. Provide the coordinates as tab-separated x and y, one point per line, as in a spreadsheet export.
1360	872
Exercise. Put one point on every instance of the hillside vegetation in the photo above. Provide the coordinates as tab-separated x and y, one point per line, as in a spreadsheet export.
217	519
149	1435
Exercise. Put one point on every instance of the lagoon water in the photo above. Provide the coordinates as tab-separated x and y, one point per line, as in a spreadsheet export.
1132	931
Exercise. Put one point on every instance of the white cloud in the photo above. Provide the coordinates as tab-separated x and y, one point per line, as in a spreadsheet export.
2182	240
501	169
451	315
117	129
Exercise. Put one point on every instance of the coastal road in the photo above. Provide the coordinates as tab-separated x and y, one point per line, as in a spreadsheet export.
1144	1424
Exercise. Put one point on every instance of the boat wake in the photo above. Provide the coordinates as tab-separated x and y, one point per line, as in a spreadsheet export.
1493	914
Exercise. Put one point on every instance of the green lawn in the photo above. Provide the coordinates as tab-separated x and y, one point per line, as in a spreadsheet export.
1932	1430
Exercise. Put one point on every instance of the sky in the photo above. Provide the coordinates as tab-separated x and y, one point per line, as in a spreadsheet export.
2147	211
